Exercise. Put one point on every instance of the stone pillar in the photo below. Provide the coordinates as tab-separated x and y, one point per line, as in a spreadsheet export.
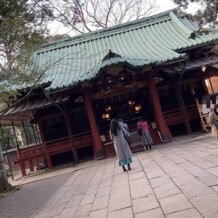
94	128
161	123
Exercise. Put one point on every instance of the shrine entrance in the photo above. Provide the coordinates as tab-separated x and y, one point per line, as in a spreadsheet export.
130	107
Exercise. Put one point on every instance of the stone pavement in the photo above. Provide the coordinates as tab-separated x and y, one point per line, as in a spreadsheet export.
42	174
175	180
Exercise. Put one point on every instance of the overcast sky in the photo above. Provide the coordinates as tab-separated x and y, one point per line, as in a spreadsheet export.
162	5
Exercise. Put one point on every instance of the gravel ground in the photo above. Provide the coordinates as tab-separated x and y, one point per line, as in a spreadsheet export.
24	202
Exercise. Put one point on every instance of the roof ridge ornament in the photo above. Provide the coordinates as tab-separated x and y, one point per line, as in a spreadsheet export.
193	35
110	55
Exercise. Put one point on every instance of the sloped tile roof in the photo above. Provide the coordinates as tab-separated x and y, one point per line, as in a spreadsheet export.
149	41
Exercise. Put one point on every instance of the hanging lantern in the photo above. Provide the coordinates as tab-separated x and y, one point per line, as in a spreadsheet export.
107	116
108	108
138	108
131	103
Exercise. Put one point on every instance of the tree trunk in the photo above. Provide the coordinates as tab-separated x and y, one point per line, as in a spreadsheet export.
4	186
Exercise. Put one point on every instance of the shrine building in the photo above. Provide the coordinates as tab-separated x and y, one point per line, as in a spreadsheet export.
156	68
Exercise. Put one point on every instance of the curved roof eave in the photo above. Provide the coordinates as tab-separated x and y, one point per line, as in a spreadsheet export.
97	70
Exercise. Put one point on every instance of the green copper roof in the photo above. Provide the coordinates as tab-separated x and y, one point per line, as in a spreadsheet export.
149	41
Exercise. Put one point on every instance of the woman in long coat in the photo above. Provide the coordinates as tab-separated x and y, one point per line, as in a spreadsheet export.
122	148
212	119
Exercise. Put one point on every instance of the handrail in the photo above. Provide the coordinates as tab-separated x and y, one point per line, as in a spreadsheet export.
75	136
179	109
177	116
30	152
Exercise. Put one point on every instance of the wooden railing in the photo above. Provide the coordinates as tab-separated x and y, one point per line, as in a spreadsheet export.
56	145
32	155
31	151
176	116
76	137
63	144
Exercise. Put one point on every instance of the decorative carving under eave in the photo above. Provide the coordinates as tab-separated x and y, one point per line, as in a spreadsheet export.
119	90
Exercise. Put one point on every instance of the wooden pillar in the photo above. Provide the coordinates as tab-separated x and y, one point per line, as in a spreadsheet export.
163	128
43	147
25	133
199	107
31	165
22	167
49	163
70	134
18	153
209	80
203	78
41	134
21	162
15	135
94	128
181	103
37	163
38	143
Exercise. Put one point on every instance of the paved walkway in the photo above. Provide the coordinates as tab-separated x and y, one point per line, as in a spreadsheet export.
24	202
175	180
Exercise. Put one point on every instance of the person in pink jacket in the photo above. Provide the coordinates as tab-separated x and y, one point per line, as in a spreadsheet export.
143	132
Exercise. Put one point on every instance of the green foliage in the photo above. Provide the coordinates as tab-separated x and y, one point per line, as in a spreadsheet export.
23	26
9	139
207	15
215	49
24	136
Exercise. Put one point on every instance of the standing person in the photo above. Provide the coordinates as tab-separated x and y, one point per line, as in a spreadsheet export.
143	132
212	119
125	129
122	149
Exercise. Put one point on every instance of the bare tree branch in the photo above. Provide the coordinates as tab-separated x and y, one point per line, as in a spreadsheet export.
88	15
